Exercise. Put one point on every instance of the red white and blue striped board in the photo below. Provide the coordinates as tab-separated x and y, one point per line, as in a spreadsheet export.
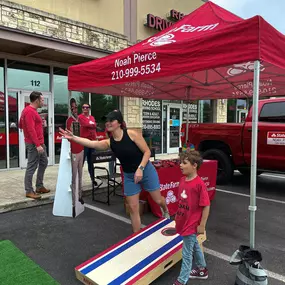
139	259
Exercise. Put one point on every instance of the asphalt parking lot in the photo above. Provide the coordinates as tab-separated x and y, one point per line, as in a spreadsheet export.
59	244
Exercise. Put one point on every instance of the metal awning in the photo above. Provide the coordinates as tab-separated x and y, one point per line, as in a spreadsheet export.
19	45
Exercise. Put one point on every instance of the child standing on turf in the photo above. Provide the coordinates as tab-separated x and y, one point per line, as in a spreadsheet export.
191	217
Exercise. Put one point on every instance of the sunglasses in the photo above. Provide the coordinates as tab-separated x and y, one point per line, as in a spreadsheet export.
85	107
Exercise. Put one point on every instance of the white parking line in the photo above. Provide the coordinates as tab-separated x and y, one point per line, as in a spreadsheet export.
269	175
107	213
274	176
247	195
214	253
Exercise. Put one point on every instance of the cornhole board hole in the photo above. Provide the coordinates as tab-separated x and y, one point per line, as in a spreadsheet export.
139	259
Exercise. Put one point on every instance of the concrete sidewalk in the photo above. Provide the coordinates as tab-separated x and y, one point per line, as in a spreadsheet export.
12	194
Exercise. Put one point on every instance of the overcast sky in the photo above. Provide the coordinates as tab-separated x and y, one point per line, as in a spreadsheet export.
271	10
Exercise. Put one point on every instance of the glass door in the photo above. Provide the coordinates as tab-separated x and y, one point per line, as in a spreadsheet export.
46	114
242	114
13	130
164	128
174	120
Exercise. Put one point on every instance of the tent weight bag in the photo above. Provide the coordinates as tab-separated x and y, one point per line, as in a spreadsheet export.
249	270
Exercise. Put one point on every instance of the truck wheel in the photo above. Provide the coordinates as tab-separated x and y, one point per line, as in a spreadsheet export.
225	167
246	172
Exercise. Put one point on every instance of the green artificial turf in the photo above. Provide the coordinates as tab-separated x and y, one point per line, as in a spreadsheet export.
18	269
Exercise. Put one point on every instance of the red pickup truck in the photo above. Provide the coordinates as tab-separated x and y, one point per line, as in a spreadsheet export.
230	143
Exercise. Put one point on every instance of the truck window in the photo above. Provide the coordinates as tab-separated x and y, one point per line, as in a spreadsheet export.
273	112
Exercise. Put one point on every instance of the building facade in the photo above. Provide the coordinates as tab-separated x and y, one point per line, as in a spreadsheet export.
41	39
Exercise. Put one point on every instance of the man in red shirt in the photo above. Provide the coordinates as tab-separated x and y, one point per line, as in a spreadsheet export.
32	125
77	154
191	217
88	131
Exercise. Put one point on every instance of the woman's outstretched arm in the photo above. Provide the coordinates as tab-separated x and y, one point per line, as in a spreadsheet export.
98	145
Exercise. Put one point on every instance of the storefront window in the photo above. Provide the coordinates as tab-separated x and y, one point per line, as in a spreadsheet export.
3	144
236	110
205	111
164	130
81	98
192	107
28	76
101	105
60	107
241	104
13	129
231	111
152	124
22	76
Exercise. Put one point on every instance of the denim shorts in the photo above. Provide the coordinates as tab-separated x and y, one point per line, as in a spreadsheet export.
149	182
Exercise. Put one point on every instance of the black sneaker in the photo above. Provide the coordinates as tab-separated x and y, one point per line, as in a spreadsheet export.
81	200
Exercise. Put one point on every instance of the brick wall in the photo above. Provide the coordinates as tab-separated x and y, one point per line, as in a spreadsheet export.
221	111
132	111
34	21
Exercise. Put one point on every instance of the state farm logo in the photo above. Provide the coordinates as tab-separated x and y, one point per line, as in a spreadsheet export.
168	38
170	197
242	68
164	40
168	186
277	135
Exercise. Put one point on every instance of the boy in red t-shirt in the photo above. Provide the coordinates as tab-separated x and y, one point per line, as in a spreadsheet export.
191	217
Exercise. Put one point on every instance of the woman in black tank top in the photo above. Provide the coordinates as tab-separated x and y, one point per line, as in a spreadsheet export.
133	153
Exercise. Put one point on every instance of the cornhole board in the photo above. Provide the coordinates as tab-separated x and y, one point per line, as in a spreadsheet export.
139	259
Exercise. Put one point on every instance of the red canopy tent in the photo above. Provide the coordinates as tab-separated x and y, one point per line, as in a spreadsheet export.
203	51
209	54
